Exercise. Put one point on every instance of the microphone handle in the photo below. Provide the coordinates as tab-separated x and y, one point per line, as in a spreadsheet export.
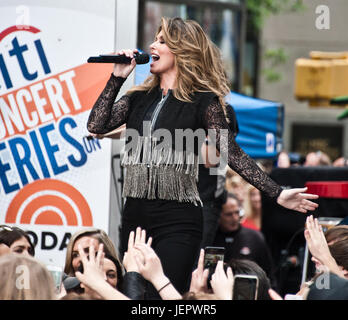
142	58
109	59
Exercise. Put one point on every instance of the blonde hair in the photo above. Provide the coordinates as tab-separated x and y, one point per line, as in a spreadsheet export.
233	181
97	234
249	211
197	59
40	282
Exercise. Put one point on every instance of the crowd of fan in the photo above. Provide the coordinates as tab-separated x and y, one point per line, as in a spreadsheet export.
93	270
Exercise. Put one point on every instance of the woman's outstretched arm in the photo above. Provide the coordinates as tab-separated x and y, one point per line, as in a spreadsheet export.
246	167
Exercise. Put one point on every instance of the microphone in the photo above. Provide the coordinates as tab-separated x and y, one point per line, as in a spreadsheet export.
140	58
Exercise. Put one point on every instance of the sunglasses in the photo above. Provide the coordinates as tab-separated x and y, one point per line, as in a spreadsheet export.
6	228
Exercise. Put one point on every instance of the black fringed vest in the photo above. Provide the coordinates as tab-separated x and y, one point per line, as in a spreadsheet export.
158	167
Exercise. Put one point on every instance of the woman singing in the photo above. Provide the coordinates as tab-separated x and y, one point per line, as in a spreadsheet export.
185	90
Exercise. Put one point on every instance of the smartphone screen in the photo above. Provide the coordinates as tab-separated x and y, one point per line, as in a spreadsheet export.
212	255
245	287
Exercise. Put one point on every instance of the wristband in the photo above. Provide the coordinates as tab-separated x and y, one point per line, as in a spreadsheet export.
166	285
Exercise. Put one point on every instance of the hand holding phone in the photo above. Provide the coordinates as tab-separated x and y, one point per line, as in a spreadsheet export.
222	282
211	257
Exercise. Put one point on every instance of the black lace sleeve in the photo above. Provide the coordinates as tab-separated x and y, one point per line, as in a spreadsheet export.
106	114
237	159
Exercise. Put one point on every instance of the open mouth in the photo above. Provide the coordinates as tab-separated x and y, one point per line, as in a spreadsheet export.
155	57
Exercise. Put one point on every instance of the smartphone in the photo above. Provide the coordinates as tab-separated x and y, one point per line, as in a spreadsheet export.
212	255
57	275
245	287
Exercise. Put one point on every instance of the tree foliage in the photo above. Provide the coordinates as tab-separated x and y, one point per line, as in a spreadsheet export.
260	10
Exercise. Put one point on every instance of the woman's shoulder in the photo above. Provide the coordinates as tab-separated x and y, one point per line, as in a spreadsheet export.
205	94
204	98
139	93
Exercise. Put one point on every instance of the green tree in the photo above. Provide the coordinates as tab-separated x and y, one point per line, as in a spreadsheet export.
260	10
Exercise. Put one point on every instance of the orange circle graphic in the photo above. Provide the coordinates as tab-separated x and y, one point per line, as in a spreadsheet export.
47	215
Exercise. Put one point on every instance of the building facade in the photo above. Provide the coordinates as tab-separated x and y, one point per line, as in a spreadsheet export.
307	128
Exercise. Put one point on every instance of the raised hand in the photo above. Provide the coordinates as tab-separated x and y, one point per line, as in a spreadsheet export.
150	266
151	269
200	276
134	239
222	283
318	247
316	240
93	275
92	266
297	199
123	70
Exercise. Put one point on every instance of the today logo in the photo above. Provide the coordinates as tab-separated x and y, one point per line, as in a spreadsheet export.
49	202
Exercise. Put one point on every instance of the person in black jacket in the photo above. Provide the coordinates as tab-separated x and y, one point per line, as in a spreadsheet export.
240	242
185	92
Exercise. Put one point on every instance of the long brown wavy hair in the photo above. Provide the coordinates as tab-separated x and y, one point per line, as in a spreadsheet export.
197	59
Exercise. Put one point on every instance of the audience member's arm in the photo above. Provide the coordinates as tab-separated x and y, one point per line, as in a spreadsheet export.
318	246
200	276
222	283
93	276
151	269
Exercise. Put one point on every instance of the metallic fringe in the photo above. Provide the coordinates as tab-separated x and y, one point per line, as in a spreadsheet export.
172	174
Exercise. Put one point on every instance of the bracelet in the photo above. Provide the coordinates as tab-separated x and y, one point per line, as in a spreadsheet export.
166	285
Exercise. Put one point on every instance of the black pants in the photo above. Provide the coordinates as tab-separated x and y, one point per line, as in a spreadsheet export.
211	215
176	230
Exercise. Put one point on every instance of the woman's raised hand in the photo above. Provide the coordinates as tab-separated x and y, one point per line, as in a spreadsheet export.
121	69
315	238
150	266
200	276
319	248
222	282
93	275
92	266
139	237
